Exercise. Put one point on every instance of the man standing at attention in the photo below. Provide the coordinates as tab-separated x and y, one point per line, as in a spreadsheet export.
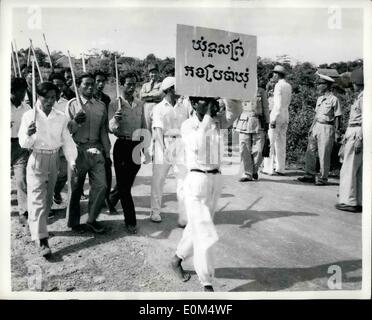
151	93
278	123
323	133
351	174
89	127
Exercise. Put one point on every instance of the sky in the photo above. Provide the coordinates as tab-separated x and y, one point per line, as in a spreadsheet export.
304	33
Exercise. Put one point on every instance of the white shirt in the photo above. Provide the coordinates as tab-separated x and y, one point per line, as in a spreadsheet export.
51	132
61	105
169	118
203	140
282	99
16	117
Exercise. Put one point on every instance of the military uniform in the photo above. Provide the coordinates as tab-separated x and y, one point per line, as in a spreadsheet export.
322	137
352	168
252	134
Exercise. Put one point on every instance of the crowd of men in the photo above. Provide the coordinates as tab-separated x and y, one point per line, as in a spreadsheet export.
63	135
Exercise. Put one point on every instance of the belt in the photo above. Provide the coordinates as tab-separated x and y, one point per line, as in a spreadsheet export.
355	125
88	144
127	138
214	171
326	122
42	151
14	139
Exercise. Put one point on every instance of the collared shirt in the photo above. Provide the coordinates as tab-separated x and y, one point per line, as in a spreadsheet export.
51	132
132	117
16	117
103	98
95	127
249	121
282	99
327	108
61	104
202	139
356	110
169	118
151	93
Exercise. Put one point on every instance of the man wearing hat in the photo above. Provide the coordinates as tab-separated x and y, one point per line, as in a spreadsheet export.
278	123
150	93
168	116
350	196
323	133
89	128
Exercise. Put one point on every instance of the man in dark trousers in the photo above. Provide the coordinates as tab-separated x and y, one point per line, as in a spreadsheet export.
126	125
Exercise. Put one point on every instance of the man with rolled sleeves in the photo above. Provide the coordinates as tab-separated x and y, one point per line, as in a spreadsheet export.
251	125
19	155
89	127
351	174
323	133
151	93
279	118
127	125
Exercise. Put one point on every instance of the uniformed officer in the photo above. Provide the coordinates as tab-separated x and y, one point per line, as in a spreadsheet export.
151	93
278	123
251	125
350	195
89	127
45	133
323	133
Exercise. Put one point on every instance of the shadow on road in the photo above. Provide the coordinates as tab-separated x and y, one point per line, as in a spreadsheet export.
246	218
273	279
295	181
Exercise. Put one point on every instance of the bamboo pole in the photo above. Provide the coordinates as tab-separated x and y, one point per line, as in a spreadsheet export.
14	63
74	82
117	84
49	56
17	59
37	64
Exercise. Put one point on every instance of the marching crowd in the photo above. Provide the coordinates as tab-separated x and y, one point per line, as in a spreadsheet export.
62	135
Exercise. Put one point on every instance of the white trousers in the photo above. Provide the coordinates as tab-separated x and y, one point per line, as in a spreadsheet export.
278	141
202	192
42	171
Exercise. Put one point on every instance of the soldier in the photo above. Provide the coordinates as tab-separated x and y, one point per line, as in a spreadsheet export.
252	125
350	197
89	128
45	133
278	123
151	93
127	162
19	156
202	186
323	133
168	117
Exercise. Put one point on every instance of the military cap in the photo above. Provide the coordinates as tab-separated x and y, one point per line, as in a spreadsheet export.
280	69
151	67
324	79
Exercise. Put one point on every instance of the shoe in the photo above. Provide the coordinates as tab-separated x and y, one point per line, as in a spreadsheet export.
178	270
57	198
208	289
345	207
155	217
181	225
84	197
306	179
23	218
111	208
79	228
245	178
277	173
96	227
255	176
320	183
268	174
131	229
43	247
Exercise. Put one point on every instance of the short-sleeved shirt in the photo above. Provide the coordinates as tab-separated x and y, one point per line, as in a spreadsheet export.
327	108
356	111
132	118
147	88
16	117
169	118
61	104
